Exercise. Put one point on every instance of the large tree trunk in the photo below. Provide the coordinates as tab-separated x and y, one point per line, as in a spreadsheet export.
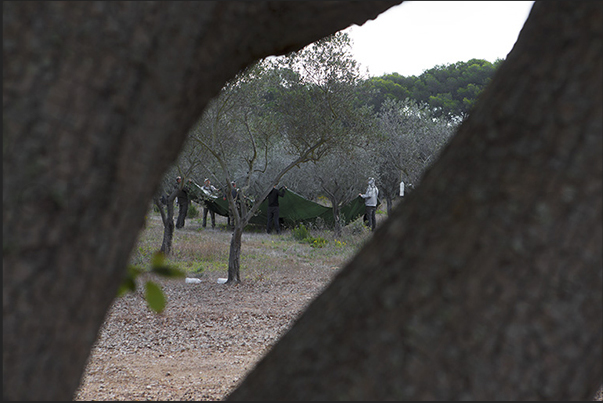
97	100
486	284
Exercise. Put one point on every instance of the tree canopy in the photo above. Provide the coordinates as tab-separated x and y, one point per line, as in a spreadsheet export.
450	90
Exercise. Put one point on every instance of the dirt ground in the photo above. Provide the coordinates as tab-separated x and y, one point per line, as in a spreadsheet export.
205	341
202	345
210	335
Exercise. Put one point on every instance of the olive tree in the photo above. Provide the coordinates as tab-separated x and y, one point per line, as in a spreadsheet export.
190	165
339	176
410	141
301	102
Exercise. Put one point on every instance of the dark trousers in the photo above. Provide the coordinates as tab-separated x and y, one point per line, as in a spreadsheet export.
213	217
182	210
273	218
371	216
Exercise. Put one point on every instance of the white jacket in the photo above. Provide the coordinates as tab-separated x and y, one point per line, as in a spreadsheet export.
370	197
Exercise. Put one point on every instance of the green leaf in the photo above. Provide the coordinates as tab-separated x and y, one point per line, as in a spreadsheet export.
129	282
167	271
158	260
133	271
154	296
126	286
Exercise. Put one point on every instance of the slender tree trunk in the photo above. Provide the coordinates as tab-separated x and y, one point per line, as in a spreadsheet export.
336	220
167	218
159	206
487	284
168	226
390	202
168	237
238	210
234	257
166	244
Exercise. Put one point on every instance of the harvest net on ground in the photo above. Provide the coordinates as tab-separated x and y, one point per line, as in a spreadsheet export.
294	209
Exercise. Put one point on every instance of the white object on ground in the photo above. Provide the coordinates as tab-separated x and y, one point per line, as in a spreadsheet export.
222	280
193	280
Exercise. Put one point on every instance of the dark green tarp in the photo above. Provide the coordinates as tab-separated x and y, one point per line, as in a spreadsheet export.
295	209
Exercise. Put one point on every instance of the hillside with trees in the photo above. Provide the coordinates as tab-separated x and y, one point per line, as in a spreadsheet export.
450	91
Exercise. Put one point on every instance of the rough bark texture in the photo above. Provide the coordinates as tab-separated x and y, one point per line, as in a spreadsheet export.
97	100
486	282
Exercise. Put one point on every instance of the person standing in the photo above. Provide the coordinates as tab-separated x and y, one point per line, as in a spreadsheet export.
370	203
273	209
208	190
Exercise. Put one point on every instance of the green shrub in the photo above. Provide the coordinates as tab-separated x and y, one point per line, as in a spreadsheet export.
300	232
193	211
357	227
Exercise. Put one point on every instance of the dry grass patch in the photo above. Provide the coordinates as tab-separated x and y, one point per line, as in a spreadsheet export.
198	250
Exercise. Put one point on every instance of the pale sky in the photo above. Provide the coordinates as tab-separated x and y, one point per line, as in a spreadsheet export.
418	35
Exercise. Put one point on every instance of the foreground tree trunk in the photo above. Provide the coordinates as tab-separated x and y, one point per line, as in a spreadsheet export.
97	100
486	283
